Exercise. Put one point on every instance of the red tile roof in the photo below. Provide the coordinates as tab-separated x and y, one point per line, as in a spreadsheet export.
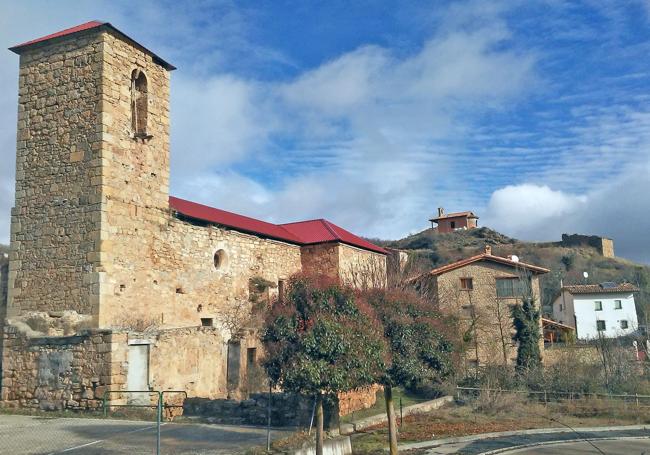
88	26
300	233
599	289
487	257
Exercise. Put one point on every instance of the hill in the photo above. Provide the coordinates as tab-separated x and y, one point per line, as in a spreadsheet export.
429	249
4	249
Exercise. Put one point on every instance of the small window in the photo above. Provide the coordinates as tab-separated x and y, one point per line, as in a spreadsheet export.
281	290
598	305
624	324
207	322
466	284
561	309
600	325
453	224
618	305
251	356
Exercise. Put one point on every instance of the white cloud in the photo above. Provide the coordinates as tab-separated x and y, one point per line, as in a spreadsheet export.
619	210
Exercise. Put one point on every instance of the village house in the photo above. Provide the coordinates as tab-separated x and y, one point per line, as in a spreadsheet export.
450	222
113	284
593	310
480	290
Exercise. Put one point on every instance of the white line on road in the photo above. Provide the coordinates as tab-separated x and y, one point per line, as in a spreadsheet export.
69	449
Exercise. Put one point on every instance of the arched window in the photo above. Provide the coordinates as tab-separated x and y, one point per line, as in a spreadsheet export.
139	104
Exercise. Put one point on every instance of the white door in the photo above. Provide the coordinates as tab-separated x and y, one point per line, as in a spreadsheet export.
138	374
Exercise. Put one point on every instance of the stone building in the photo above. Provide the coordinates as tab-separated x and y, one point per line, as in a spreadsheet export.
112	283
450	222
604	245
480	290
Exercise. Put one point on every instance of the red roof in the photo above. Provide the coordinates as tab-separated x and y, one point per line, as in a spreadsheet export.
88	26
67	31
486	257
300	233
321	231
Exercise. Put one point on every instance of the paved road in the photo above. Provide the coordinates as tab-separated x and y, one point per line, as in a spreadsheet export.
509	442
610	447
29	435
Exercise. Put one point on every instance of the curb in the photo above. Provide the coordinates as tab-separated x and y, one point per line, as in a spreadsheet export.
550	443
439	442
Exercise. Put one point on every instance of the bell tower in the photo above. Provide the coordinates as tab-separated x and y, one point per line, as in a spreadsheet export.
92	166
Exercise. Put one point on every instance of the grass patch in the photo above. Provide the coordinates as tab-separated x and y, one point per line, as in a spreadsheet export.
500	413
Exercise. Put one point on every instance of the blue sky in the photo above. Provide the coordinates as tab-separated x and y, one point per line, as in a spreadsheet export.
533	114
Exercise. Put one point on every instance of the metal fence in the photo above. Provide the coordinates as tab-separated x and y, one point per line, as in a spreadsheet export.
578	399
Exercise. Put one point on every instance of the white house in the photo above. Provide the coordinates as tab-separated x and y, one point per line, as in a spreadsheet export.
606	308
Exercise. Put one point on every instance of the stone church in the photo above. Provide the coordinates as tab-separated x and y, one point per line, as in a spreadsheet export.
112	284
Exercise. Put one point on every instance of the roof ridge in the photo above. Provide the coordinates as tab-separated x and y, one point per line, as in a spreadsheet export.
329	228
303	221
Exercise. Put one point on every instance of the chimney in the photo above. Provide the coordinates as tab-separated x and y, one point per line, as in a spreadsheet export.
488	249
441	212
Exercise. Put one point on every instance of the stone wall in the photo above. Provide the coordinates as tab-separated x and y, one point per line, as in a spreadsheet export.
71	372
361	268
490	315
56	220
321	259
4	276
181	284
359	399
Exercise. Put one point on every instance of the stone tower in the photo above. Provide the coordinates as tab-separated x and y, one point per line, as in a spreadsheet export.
92	169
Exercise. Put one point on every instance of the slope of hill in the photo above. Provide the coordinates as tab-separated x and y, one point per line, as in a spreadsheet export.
430	249
4	249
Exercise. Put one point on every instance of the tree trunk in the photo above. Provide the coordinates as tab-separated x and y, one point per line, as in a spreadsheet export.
392	419
319	424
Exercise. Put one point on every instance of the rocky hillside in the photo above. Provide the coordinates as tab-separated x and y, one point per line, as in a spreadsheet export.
428	249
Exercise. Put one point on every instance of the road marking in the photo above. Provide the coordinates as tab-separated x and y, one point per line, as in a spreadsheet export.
69	449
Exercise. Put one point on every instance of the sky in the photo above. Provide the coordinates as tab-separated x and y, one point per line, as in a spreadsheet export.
533	114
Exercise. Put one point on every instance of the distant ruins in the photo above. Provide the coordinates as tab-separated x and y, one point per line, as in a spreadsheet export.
603	245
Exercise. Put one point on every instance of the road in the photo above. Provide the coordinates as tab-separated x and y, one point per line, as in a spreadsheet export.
610	447
29	435
542	441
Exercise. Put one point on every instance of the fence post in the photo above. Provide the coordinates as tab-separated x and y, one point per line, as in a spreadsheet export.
636	397
545	399
268	420
158	419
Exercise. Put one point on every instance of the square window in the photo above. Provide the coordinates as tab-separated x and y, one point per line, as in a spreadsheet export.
598	305
600	325
466	284
624	324
207	322
618	304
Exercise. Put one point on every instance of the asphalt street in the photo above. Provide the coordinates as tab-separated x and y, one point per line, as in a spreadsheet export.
30	435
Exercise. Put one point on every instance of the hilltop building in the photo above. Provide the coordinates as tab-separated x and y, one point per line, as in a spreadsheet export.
112	283
451	222
480	290
606	309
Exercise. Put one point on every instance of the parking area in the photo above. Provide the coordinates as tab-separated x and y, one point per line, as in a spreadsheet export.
23	435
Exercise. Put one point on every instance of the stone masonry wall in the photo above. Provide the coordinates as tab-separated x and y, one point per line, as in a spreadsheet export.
320	259
181	284
56	219
71	372
361	268
491	315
